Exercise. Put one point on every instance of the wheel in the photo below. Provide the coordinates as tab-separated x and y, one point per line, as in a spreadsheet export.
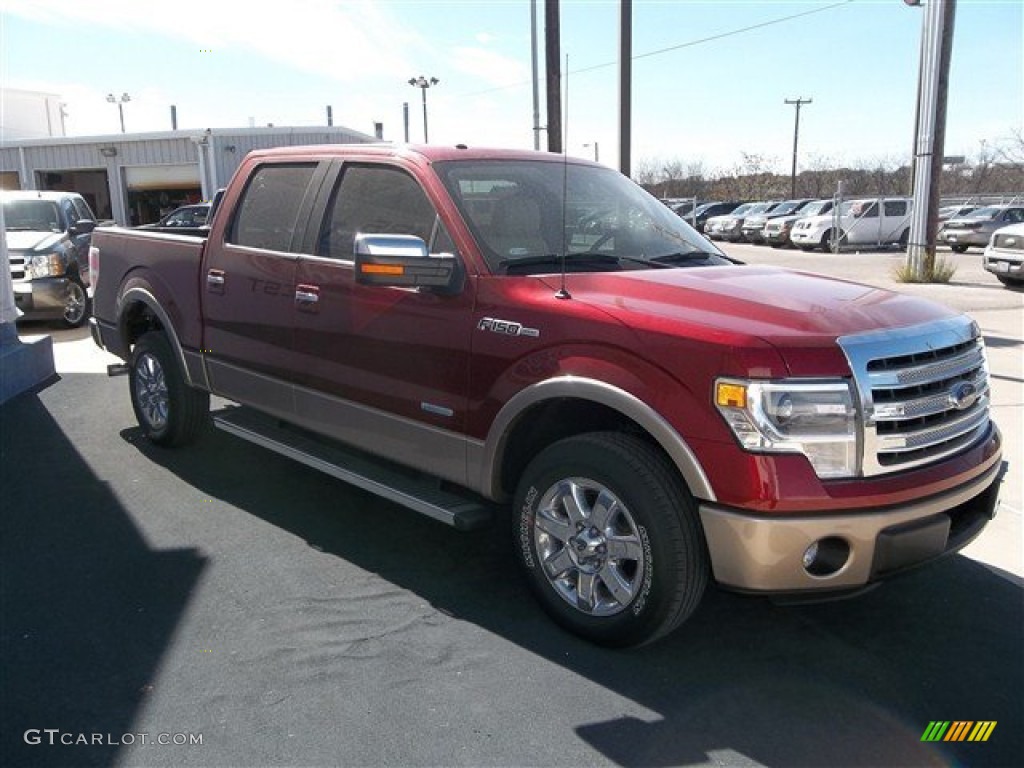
904	240
169	411
76	304
1011	282
609	539
959	248
826	240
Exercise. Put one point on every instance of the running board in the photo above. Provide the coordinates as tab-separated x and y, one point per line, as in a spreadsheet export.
384	479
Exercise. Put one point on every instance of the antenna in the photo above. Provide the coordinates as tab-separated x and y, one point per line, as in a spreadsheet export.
563	292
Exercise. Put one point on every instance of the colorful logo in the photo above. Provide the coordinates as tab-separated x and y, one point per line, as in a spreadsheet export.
958	730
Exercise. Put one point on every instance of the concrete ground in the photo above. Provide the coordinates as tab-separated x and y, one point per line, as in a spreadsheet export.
285	618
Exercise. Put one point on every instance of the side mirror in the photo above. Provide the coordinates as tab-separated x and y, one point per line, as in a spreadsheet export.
403	261
82	227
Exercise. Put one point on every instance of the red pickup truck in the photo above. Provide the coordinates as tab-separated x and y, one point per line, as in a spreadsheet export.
469	332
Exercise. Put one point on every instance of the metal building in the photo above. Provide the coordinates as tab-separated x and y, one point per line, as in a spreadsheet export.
136	178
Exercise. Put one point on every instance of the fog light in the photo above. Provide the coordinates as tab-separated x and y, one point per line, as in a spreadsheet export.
826	556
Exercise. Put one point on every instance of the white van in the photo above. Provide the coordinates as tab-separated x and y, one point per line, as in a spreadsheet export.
866	221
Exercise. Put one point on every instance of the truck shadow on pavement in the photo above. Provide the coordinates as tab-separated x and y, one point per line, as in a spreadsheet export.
744	681
88	608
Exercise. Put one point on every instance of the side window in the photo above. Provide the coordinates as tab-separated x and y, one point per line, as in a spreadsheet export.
67	211
376	199
268	212
1015	215
870	211
895	207
82	210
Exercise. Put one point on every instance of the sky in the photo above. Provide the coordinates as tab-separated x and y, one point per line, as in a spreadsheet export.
710	79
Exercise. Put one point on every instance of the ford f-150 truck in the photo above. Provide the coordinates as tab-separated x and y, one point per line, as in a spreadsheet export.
469	331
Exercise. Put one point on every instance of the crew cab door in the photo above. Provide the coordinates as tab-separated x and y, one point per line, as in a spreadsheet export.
383	368
248	286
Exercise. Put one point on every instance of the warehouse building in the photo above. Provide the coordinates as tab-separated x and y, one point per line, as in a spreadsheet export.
136	178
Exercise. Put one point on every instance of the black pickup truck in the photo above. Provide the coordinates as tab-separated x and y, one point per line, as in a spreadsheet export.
48	236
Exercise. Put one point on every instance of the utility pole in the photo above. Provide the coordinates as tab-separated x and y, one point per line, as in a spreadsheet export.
552	54
933	87
797	102
533	65
625	84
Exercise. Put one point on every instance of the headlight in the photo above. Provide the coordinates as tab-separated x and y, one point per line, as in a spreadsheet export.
44	265
816	419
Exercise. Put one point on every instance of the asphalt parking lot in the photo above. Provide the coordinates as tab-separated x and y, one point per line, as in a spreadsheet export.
284	618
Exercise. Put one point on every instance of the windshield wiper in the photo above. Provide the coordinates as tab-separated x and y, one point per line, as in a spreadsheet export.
574	259
679	257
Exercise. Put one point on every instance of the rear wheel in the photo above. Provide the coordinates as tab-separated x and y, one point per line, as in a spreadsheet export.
169	411
904	240
959	248
609	539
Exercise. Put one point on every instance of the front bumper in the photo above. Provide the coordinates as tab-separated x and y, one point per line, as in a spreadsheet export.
805	237
1004	264
766	554
964	237
44	297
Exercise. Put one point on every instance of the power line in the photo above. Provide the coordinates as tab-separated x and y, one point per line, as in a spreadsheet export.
680	46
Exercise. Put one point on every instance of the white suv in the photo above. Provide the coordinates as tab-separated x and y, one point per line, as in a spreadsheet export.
865	221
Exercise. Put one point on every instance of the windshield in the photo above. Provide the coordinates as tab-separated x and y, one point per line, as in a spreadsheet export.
816	208
790	207
32	215
515	210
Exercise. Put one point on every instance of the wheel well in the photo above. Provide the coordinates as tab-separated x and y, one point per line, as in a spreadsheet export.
136	320
554	420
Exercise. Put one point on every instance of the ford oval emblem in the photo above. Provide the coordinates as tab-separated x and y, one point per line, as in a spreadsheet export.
963	395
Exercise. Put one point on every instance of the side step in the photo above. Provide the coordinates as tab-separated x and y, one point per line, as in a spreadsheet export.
385	479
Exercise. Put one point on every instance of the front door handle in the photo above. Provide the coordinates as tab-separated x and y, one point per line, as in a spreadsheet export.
307	296
215	281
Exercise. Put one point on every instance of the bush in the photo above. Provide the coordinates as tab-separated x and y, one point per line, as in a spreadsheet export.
937	269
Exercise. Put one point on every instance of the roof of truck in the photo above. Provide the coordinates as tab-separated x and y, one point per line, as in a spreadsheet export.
429	152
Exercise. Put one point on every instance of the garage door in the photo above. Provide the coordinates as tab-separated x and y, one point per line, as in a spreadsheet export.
149	177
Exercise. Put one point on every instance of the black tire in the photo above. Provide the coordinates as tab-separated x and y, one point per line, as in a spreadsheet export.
170	412
959	248
76	304
826	240
625	571
904	240
1011	282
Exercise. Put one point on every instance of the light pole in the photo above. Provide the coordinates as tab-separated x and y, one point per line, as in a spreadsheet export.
423	83
120	105
798	102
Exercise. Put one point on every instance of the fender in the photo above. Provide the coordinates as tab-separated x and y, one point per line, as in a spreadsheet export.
580	388
138	292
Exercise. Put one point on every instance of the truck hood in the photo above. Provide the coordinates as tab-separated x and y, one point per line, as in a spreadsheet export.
19	240
782	307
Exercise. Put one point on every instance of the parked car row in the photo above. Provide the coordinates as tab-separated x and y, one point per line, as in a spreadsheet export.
977	226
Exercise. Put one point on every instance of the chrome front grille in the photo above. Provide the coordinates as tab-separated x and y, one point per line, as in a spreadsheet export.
924	392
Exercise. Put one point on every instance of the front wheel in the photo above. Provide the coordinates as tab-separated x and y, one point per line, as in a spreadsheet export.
170	412
609	539
76	304
959	248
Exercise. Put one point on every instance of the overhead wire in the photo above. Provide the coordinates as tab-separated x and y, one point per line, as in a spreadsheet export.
669	49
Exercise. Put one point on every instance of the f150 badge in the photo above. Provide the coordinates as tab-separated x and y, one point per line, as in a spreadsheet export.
505	327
